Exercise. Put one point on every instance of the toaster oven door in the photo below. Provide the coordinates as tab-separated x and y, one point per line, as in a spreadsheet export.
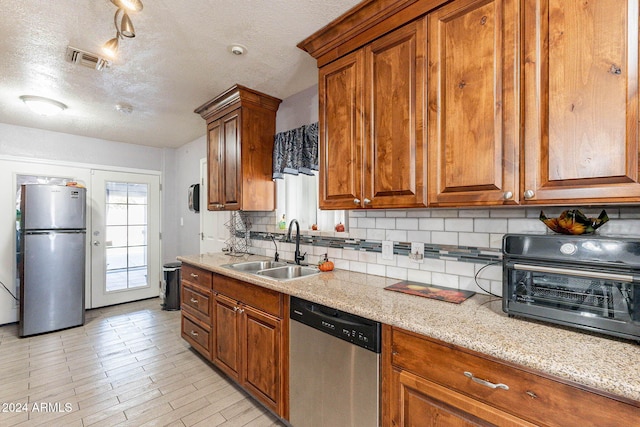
606	302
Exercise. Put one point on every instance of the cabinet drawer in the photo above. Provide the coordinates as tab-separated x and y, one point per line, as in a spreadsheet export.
196	275
530	396
196	335
261	298
198	301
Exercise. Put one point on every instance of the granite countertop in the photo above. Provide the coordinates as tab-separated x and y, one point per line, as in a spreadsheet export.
604	363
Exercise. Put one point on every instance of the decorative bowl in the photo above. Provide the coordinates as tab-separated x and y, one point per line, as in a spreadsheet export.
573	221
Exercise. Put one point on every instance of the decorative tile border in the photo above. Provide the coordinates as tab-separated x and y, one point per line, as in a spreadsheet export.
433	251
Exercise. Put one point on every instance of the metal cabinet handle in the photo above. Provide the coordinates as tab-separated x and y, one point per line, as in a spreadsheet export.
195	276
367	201
529	194
195	301
193	333
484	382
356	201
508	195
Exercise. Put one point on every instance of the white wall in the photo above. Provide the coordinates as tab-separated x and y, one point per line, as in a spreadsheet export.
188	165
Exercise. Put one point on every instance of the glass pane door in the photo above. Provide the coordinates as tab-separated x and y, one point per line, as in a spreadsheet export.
126	235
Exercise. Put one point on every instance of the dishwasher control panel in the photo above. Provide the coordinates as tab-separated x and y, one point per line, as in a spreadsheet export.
358	330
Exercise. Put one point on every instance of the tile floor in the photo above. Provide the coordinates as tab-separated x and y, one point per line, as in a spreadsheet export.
127	366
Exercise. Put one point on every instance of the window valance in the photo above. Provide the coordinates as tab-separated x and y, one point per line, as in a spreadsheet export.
295	151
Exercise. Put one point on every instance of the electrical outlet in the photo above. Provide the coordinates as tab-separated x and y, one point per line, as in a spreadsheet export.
417	252
387	250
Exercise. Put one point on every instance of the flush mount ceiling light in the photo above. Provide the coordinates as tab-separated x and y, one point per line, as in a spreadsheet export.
43	106
124	108
125	29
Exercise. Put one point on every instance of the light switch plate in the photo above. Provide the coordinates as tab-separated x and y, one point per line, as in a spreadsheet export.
387	250
417	252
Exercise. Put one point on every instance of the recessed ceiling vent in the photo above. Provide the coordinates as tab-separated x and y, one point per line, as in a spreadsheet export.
86	59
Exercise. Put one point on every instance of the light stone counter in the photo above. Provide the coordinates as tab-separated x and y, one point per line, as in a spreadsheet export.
478	324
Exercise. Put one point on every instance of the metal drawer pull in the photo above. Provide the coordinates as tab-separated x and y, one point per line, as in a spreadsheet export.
485	383
195	276
193	333
195	301
532	395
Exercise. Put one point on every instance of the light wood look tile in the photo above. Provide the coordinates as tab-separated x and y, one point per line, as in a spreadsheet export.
127	366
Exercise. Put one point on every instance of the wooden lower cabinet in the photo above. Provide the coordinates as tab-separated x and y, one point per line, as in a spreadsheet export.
245	336
430	383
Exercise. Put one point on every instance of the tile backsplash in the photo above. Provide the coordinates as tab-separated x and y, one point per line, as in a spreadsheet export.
462	246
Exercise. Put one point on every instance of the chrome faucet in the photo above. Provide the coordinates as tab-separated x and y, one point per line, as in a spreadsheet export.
296	256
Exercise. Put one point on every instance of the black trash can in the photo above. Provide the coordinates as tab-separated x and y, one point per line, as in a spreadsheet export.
171	286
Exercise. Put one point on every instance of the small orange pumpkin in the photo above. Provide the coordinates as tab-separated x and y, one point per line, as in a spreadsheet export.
325	264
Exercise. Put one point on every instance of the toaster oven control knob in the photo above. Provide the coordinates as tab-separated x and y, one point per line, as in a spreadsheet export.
529	194
568	249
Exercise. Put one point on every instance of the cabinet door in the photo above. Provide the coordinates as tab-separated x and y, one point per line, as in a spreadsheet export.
261	356
232	181
226	354
473	103
395	147
214	165
416	401
581	101
340	132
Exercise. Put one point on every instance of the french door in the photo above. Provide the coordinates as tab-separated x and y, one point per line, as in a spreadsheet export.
125	237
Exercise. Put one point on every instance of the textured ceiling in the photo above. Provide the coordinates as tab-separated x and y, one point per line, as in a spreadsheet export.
178	60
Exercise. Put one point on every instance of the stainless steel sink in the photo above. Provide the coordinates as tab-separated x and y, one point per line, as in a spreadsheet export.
288	272
254	266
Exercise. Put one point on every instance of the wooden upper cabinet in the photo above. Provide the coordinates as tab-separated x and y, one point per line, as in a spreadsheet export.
372	146
395	147
340	131
473	116
581	101
240	133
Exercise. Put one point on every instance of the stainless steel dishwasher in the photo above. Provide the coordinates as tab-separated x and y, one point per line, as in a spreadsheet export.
334	377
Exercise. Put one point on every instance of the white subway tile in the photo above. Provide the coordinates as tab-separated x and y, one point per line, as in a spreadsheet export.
334	253
358	267
342	264
375	214
507	213
459	268
359	233
526	226
419	213
393	213
446	280
495	240
458	224
404	262
473	213
419	236
489	272
627	227
482	225
431	224
407	223
375	234
386	223
366	223
434	265
419	276
376	269
357	214
444	213
367	257
351	255
397	273
628	213
444	238
391	262
474	240
395	235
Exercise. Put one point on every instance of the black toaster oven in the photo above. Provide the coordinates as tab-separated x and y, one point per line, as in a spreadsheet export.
587	282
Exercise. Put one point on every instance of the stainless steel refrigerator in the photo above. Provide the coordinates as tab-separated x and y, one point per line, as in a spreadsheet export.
51	258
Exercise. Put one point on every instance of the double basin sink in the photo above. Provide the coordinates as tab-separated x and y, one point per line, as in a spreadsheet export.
274	270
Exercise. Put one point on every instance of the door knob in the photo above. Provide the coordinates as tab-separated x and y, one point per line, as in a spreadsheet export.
356	201
367	201
96	243
508	195
529	194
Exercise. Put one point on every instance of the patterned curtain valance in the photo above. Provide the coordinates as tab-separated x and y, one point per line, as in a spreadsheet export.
296	151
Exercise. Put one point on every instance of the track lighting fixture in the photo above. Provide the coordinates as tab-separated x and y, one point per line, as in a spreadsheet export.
125	29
